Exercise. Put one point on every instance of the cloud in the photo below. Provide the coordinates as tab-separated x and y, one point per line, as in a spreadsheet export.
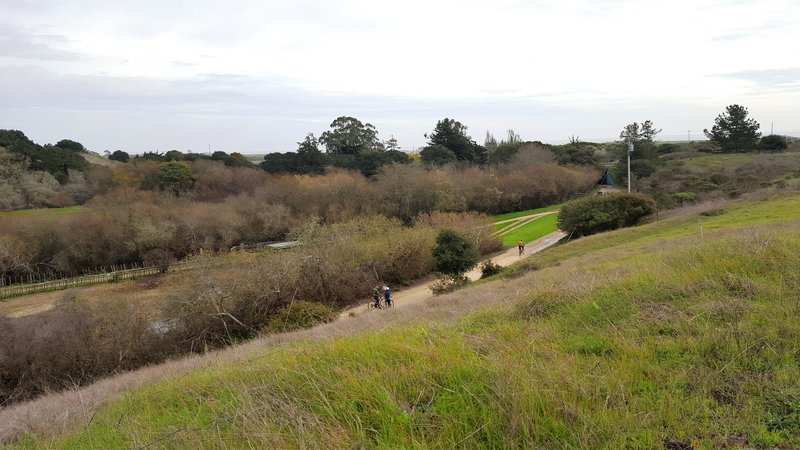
19	44
769	78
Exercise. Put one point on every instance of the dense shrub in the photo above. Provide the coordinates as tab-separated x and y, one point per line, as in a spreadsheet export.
454	253
773	143
489	268
445	283
599	213
476	226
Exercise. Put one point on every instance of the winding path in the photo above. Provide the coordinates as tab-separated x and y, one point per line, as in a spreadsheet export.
420	290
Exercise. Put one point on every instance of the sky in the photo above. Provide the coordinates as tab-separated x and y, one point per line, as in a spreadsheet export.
257	76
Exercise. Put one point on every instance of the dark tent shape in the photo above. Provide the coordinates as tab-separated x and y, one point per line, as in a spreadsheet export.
606	180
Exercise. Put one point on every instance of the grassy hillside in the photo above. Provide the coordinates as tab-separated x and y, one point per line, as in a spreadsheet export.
689	177
653	337
94	158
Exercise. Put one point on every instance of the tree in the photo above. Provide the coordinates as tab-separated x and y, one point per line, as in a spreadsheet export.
437	155
490	143
348	136
177	155
120	156
644	156
452	135
307	160
176	177
310	155
67	144
639	134
454	253
53	159
733	131
391	144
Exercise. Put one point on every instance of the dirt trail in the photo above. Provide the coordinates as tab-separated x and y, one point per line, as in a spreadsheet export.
420	290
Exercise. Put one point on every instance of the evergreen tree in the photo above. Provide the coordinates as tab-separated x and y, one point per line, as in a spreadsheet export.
733	131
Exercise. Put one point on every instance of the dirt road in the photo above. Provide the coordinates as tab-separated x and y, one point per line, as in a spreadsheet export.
420	290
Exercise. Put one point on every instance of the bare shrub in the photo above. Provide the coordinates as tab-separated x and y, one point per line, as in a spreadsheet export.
299	315
476	226
445	284
71	345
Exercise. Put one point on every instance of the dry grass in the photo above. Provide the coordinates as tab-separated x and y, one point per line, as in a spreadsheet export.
143	292
57	413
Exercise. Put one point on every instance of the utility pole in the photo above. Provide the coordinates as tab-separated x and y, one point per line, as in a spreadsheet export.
771	128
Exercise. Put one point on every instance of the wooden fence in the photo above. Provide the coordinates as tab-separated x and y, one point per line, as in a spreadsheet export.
16	290
35	284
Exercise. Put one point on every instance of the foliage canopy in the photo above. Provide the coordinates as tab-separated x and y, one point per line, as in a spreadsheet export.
733	131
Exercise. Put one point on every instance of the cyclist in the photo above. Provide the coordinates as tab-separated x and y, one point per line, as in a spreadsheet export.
387	295
376	297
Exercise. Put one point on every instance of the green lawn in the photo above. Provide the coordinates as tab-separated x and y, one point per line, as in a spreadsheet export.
514	215
255	158
530	231
650	337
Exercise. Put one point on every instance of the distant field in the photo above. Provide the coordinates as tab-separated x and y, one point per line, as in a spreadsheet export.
528	232
528	212
255	157
99	160
44	211
531	231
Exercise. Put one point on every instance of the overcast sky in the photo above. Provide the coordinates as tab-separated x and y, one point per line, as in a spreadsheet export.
256	76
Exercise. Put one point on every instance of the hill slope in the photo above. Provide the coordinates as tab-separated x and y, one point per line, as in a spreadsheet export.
658	336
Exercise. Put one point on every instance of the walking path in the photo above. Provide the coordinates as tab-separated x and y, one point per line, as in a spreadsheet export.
420	291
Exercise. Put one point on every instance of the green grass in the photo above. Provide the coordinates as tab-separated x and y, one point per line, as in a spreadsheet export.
528	212
255	158
531	231
649	337
44	211
780	209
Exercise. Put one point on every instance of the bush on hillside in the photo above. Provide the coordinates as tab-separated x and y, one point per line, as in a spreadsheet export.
299	315
476	226
448	283
489	268
454	254
600	213
773	143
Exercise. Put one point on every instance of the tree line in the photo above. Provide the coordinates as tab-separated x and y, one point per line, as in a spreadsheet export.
141	219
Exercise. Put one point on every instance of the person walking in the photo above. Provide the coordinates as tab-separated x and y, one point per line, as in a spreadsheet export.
521	246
